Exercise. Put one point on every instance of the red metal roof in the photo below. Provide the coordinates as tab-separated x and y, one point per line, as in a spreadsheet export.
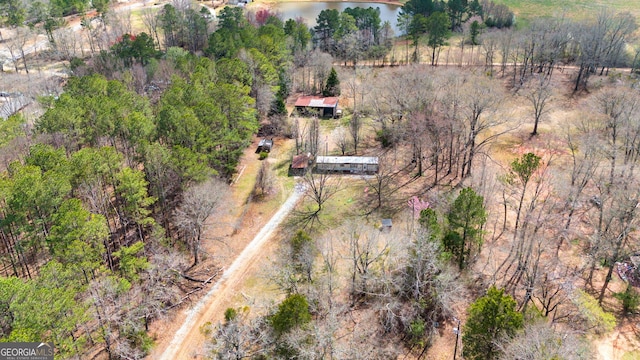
300	161
317	101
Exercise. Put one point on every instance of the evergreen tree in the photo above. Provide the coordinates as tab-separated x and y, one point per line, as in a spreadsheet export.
474	31
429	221
292	312
491	318
437	26
302	255
12	12
466	217
333	84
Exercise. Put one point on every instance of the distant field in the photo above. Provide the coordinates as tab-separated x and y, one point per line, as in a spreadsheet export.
528	9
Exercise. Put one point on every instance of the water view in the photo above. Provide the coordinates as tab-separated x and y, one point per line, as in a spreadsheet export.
309	10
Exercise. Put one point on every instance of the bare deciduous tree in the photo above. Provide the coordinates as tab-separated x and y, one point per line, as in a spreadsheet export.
619	118
265	180
320	187
340	138
264	99
22	38
585	146
552	293
367	247
239	337
482	98
541	341
321	64
599	44
382	184
489	43
67	43
198	204
355	128
538	94
151	21
357	86
313	136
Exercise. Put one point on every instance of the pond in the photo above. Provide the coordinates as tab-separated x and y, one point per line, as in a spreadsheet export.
309	10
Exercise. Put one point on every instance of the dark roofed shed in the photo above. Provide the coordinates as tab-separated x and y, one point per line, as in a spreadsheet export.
300	164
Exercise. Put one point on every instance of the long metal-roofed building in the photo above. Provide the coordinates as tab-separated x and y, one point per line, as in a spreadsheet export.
347	164
323	106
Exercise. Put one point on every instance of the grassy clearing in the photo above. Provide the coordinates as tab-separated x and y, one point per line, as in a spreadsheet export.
526	10
345	204
246	179
633	355
281	159
137	25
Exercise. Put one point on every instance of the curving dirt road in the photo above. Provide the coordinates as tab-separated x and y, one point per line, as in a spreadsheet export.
188	341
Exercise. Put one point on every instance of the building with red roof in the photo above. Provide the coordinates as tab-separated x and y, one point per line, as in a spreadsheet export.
323	106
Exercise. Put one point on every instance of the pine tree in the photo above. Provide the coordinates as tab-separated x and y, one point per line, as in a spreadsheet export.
466	217
333	84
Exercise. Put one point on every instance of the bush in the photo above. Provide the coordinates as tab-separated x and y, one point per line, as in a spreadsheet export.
599	320
76	63
417	330
630	299
491	318
263	155
384	137
292	312
230	314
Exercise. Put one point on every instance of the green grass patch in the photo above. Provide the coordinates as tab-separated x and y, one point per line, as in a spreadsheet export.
526	10
632	355
345	204
328	125
281	162
246	180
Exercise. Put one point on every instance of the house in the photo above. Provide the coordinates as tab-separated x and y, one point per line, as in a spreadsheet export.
347	164
300	164
323	106
264	145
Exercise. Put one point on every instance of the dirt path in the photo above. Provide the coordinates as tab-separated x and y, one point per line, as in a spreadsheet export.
623	340
188	341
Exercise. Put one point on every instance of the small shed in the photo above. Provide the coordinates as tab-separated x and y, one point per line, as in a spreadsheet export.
347	164
300	164
386	225
264	145
324	106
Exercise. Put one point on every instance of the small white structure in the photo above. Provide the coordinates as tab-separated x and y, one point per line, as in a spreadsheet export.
347	164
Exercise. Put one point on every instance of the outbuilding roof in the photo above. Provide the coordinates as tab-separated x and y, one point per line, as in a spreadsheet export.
317	101
300	161
266	142
347	160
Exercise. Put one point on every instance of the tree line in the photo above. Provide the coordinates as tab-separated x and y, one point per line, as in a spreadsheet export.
111	183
